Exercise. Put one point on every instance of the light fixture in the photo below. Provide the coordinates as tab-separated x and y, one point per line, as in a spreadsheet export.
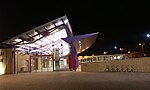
115	47
59	23
105	52
18	40
66	21
49	27
148	35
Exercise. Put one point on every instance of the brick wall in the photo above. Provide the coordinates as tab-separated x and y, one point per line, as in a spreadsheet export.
129	65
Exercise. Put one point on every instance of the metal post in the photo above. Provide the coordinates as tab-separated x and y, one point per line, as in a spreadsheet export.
14	60
30	64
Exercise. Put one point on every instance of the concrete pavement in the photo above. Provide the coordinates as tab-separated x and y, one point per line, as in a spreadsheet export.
68	80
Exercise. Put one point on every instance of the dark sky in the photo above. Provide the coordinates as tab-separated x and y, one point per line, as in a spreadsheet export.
120	23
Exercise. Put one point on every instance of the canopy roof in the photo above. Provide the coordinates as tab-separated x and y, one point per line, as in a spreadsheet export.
47	37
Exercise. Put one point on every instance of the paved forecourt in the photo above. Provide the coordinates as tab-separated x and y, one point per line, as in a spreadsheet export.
68	80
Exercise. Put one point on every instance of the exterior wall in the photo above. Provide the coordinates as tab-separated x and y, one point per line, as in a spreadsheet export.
19	59
7	59
129	65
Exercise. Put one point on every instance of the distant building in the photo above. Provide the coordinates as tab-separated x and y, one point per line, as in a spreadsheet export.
101	58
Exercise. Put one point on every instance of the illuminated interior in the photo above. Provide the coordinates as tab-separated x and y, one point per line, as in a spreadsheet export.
43	39
46	44
34	48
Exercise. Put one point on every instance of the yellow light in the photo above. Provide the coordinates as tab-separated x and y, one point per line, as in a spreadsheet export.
33	65
87	47
80	57
121	49
85	56
129	52
105	52
83	50
1	69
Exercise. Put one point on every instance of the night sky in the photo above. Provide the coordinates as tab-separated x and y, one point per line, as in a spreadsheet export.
121	24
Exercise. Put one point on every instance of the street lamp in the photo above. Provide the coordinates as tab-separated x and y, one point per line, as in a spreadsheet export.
115	47
148	35
148	44
105	53
142	47
121	49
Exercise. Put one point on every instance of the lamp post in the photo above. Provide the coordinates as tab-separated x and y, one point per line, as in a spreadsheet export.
142	47
147	44
115	47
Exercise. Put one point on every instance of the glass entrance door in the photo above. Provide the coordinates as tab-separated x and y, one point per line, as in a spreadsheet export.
41	63
61	64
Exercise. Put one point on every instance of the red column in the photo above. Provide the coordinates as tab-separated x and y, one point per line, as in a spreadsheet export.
70	62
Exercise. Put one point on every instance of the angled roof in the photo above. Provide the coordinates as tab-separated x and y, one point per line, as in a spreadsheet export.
41	31
54	34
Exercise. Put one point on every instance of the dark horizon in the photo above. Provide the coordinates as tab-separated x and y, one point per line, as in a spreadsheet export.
121	24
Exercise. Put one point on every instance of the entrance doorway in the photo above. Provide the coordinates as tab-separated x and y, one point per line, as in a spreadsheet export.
41	63
45	63
61	64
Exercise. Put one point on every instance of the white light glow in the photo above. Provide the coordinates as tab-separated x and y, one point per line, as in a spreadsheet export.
46	40
18	40
55	39
33	45
1	69
40	43
19	52
148	35
35	33
80	46
65	62
66	21
58	35
115	47
49	26
35	51
118	57
59	23
115	57
46	43
66	49
79	42
25	42
19	49
38	37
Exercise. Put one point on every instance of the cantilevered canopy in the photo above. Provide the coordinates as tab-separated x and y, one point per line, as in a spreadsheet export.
56	34
44	39
82	42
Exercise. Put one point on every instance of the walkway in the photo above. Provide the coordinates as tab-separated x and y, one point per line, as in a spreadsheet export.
66	80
